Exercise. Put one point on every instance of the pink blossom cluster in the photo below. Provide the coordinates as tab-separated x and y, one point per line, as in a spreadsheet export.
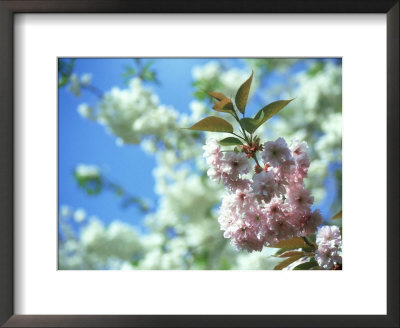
329	242
263	208
226	167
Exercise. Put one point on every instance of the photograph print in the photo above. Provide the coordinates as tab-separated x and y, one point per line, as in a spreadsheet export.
199	163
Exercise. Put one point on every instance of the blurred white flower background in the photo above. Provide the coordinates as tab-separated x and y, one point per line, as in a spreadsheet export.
133	188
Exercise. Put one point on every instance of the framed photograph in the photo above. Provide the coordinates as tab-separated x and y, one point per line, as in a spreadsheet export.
188	164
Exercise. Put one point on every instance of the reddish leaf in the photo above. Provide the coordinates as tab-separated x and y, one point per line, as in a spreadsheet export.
243	94
291	253
295	242
337	216
217	95
225	105
213	124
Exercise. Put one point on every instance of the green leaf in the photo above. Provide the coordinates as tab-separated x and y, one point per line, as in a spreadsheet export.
315	69
213	124
306	265
65	67
91	185
64	79
248	124
225	105
129	71
230	141
148	64
270	110
148	76
251	124
199	95
242	94
217	95
286	262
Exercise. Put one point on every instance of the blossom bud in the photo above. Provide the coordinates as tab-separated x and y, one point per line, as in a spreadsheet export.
257	168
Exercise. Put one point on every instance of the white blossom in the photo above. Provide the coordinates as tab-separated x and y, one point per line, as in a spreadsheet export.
80	215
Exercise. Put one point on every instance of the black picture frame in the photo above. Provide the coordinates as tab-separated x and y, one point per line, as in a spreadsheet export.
11	7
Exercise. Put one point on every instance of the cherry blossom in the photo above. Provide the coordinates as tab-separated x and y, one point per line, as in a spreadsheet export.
273	204
329	242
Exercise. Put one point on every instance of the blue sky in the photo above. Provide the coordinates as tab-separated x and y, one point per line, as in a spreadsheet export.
84	141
